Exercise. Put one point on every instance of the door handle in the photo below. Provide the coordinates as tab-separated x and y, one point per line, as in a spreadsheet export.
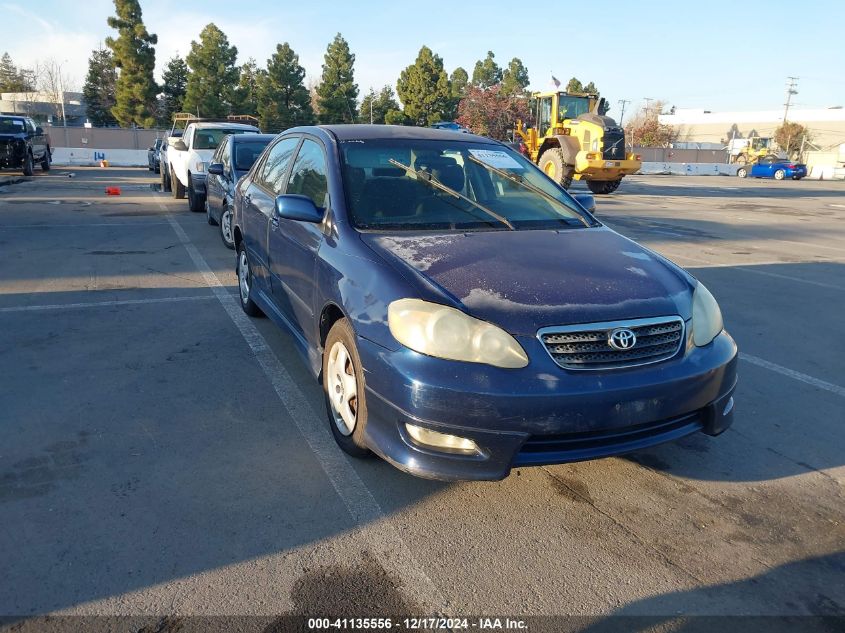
247	198
274	222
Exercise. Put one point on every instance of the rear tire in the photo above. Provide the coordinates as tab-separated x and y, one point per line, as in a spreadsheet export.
27	164
779	174
742	172
741	159
245	284
176	187
45	162
343	389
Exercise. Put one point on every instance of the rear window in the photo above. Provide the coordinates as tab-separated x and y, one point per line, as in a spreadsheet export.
247	152
210	138
11	126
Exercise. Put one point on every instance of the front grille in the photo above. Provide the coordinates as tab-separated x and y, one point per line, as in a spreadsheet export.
587	346
562	447
614	144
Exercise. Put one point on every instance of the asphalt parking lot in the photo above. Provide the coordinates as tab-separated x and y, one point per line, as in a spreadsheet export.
164	454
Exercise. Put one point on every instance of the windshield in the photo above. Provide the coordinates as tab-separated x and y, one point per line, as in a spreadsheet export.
571	107
11	126
246	153
210	138
382	196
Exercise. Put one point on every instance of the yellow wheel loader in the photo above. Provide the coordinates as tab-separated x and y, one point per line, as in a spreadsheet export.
575	140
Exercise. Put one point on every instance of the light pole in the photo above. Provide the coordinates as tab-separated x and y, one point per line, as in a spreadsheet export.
62	94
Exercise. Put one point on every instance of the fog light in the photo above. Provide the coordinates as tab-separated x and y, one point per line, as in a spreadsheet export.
441	441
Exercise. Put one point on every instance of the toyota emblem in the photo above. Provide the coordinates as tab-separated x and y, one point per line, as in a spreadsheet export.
621	339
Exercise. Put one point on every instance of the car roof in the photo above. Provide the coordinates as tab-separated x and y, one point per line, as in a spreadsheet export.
13	116
251	138
354	132
215	125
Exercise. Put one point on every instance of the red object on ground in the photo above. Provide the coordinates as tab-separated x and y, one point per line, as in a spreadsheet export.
112	191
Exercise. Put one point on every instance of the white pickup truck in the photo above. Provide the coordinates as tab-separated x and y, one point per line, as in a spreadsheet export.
185	159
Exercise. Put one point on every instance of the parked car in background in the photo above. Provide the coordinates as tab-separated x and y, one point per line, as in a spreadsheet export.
23	144
772	167
464	313
173	136
232	159
154	156
188	156
450	125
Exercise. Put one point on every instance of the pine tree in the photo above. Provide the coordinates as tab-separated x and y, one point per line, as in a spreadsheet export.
458	82
574	86
424	90
211	85
134	56
381	103
14	79
514	78
246	94
486	72
174	83
338	92
100	87
283	100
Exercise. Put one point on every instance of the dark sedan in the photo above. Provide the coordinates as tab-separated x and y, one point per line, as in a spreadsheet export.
464	313
232	159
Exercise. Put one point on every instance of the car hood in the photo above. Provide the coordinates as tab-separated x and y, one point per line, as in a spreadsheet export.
525	280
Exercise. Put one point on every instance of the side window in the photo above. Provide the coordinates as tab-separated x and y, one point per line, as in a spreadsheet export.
308	176
30	126
188	136
225	150
274	167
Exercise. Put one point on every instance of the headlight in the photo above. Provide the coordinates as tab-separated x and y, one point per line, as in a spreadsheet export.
443	332
199	167
706	316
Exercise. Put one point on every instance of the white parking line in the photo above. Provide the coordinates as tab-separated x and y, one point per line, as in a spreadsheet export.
100	304
385	542
85	224
791	373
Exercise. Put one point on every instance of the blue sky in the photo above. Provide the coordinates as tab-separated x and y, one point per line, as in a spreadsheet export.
715	55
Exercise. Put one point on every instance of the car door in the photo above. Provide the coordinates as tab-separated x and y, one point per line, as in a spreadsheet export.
37	140
293	244
762	168
259	198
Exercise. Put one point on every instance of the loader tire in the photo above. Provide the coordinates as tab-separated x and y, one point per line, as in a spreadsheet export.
554	166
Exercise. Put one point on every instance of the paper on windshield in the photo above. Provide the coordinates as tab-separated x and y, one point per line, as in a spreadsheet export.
496	158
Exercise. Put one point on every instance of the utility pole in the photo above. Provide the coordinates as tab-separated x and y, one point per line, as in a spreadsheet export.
791	85
647	99
622	102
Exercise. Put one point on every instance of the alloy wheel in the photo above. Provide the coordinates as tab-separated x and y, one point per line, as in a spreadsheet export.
343	388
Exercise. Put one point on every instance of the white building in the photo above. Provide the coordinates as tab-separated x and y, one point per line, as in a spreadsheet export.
826	125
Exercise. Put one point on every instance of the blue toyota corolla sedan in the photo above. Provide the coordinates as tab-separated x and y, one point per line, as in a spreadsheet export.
464	313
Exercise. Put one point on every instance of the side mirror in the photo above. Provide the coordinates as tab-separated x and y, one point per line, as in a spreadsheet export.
216	169
586	200
151	149
297	207
180	146
39	130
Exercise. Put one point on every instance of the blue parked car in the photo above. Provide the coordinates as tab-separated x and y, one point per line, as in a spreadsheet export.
464	313
772	167
232	159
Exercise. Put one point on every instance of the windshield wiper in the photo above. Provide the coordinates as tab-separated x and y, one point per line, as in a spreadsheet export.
425	176
519	180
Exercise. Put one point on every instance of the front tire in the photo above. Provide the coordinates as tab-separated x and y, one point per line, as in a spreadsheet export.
742	172
779	174
165	180
554	166
27	164
245	284
196	201
226	234
343	388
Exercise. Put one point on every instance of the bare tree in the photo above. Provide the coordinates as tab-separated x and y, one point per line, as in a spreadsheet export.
52	84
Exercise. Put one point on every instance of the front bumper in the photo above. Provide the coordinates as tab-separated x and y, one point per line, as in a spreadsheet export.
540	414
